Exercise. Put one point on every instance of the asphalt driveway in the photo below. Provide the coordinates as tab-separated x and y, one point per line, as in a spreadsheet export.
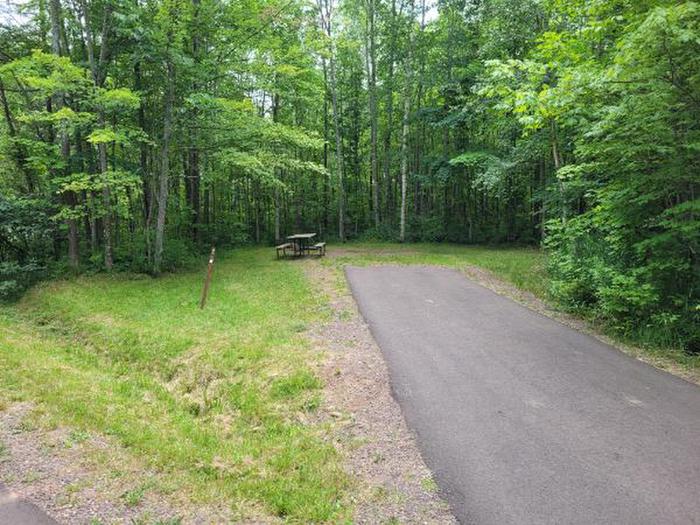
15	511
524	420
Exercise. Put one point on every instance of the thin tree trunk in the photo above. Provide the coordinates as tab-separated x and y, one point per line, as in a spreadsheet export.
339	155
275	117
404	162
558	164
193	160
404	131
326	176
389	199
97	67
107	203
325	13
143	148
371	66
69	197
163	181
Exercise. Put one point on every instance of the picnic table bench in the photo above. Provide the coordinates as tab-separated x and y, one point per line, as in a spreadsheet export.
282	248
320	247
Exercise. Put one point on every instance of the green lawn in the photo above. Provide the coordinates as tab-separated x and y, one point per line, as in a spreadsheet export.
214	399
523	267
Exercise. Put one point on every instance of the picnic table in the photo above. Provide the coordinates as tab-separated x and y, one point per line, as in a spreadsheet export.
301	244
300	241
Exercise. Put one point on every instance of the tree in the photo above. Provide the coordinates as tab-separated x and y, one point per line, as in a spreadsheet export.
325	8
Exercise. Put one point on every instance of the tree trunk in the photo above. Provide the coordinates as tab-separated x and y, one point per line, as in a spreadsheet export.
325	13
339	155
58	102
404	132
97	67
163	179
389	199
326	176
404	161
193	160
371	65
558	164
278	204
107	203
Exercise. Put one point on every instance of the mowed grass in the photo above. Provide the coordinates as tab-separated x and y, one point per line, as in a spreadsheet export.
220	404
217	400
523	267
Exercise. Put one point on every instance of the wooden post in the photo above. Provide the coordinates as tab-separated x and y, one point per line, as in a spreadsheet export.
207	279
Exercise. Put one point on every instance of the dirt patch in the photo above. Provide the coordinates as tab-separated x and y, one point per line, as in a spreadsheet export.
58	471
394	484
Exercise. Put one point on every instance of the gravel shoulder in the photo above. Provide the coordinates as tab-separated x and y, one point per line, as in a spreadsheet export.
393	483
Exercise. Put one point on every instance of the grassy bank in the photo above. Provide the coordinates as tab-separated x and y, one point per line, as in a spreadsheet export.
214	399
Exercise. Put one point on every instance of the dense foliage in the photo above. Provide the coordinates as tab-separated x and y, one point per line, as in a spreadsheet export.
135	133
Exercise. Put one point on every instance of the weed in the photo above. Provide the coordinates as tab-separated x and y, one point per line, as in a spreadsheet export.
76	437
295	384
428	483
133	497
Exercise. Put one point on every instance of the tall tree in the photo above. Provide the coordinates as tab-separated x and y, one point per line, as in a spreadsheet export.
326	15
371	69
57	103
407	94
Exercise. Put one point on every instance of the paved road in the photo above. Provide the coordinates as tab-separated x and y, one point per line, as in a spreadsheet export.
14	511
524	420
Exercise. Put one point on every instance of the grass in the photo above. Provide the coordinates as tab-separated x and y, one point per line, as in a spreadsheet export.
209	398
523	267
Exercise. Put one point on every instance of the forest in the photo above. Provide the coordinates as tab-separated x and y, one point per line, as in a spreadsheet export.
136	134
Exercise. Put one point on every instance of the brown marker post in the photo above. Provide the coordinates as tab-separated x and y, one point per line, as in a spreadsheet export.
207	279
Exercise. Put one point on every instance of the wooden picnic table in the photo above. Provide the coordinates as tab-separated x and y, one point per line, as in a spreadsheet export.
300	242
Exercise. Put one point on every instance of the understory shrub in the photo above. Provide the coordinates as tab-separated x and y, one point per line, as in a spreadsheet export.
630	291
25	244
